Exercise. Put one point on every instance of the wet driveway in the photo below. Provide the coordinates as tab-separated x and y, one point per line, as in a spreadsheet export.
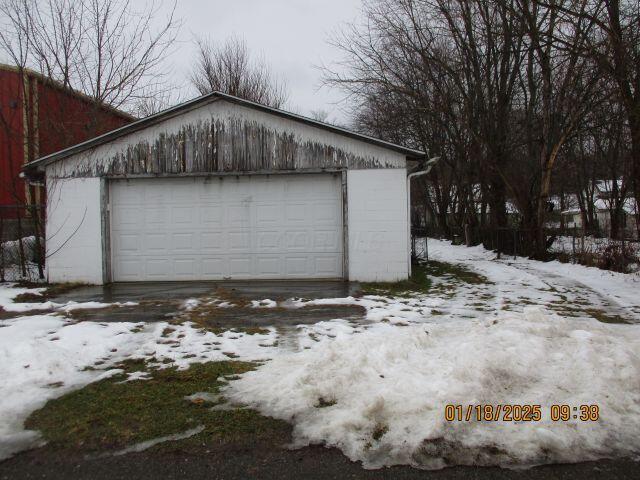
164	301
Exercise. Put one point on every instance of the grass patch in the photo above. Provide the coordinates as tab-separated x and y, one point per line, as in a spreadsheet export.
379	432
421	280
605	317
52	290
418	283
109	415
322	403
454	272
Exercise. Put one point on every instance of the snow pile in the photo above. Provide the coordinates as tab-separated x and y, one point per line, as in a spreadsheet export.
380	395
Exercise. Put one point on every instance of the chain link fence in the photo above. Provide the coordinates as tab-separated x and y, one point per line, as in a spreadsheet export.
21	243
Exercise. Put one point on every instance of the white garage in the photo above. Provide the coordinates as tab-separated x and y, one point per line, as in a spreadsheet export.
267	226
220	188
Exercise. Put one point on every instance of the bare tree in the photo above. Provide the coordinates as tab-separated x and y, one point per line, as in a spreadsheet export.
229	68
109	50
488	86
152	103
319	115
614	47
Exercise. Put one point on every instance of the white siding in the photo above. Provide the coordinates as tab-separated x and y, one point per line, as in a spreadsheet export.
73	230
378	243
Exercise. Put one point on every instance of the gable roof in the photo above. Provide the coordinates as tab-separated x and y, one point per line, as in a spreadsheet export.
204	100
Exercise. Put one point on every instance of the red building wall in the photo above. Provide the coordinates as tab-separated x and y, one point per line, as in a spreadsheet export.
11	147
37	118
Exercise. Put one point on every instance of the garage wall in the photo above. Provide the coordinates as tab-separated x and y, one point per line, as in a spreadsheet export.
377	219
73	231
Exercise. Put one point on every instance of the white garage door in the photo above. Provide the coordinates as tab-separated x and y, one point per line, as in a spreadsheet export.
269	227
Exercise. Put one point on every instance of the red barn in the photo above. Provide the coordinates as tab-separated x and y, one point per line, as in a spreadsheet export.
37	117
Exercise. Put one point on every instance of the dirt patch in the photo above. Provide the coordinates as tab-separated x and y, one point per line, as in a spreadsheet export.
52	290
248	319
145	311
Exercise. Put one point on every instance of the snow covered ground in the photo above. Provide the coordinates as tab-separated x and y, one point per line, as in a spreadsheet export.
565	288
532	334
565	244
380	395
526	333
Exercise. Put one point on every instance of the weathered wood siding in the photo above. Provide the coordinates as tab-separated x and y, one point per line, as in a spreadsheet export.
226	138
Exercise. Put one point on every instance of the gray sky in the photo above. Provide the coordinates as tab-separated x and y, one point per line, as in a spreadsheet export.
291	35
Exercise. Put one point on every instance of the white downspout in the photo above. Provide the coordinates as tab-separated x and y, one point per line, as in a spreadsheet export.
430	164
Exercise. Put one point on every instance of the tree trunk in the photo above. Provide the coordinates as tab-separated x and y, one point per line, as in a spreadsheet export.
614	223
634	125
496	200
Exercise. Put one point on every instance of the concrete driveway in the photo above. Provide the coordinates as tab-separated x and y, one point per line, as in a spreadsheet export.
164	301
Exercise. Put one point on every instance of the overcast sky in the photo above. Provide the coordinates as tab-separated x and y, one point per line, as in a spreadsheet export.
291	35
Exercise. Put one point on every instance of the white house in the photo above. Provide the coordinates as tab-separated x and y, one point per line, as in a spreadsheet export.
602	205
223	188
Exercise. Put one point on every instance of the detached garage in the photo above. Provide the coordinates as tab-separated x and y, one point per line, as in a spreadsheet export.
221	188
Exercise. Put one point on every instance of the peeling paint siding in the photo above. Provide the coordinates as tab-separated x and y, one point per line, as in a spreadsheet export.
225	137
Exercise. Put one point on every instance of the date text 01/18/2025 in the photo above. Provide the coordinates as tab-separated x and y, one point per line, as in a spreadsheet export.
519	413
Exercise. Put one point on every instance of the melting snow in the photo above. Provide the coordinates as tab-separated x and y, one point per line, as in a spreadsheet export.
382	383
266	303
142	446
398	381
45	356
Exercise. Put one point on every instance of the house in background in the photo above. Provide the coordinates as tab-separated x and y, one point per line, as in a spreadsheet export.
602	206
37	117
222	188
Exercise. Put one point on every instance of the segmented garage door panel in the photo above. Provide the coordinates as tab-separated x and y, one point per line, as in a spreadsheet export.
287	226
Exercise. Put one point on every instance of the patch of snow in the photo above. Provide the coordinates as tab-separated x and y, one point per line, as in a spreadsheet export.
142	446
8	292
201	397
187	344
71	305
45	356
133	376
397	381
266	303
190	304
